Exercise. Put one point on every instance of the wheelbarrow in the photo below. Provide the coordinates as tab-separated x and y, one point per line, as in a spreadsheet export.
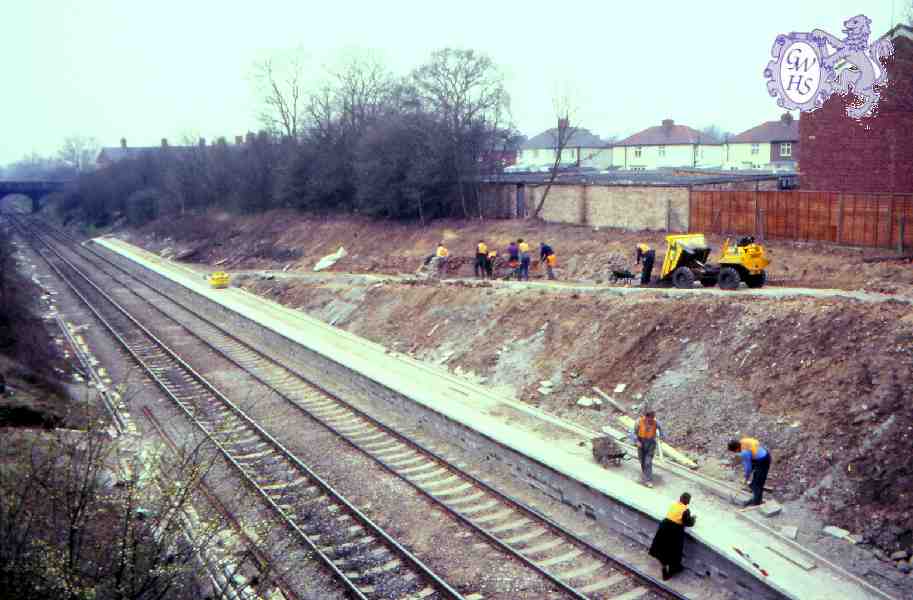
608	453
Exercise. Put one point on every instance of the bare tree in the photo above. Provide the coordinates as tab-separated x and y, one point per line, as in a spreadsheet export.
72	527
565	109
280	80
79	152
465	89
362	89
713	134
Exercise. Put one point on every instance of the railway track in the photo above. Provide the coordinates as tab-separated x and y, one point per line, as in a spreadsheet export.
571	564
365	559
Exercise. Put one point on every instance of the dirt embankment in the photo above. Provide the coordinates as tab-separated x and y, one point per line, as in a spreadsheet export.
285	238
826	383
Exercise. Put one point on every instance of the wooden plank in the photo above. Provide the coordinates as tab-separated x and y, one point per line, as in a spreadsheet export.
610	400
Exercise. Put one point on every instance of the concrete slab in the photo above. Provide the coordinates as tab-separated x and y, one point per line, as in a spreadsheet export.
790	531
544	438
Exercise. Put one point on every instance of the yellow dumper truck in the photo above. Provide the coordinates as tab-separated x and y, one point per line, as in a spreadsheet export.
687	260
219	280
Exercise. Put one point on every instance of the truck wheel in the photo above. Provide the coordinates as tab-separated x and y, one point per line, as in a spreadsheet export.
683	278
756	281
729	278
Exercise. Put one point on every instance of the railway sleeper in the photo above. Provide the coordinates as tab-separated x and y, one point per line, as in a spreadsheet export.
488	505
494	516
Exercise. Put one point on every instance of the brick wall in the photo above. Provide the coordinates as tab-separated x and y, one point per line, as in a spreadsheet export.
876	155
775	151
627	207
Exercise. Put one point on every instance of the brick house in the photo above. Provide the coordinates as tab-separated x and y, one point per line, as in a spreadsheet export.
875	155
770	145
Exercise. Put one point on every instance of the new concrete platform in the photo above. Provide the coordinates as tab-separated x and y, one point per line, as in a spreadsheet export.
735	538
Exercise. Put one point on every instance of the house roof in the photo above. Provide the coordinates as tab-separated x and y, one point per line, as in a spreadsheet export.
581	138
667	134
115	154
786	129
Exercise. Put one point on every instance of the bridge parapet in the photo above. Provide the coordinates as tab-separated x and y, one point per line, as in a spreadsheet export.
35	190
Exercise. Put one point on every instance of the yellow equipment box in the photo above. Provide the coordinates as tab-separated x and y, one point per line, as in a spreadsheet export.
219	280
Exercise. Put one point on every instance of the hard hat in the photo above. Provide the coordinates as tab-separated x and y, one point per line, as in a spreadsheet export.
643	247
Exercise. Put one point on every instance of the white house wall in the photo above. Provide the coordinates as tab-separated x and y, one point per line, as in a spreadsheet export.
677	155
740	156
589	157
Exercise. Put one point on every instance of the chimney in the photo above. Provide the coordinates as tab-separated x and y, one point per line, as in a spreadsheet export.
164	142
667	123
123	142
239	139
202	142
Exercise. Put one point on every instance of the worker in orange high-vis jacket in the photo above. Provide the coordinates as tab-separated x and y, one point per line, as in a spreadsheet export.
756	464
669	541
646	434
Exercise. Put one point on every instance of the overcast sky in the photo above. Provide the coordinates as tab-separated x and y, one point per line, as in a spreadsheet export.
147	70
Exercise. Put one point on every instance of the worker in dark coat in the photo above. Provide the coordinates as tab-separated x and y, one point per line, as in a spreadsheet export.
669	540
756	464
648	255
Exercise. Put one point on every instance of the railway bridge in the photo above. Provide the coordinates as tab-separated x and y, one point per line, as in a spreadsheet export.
35	190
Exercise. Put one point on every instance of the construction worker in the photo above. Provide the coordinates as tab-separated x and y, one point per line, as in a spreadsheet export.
513	259
490	263
644	434
648	254
669	540
523	247
756	463
479	268
547	257
440	259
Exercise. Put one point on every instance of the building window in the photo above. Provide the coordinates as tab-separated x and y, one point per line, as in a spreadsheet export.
786	149
755	149
662	150
638	151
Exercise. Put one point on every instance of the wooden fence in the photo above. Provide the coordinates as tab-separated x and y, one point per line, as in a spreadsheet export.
876	220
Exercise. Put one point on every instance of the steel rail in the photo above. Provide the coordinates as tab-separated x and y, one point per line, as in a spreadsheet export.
438	583
514	503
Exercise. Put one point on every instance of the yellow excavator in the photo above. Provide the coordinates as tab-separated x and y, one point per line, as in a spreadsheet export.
687	257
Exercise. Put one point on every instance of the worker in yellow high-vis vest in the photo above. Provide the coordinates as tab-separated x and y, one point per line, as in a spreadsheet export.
439	263
646	434
669	541
481	258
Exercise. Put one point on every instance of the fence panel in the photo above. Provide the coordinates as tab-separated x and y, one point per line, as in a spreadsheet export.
874	220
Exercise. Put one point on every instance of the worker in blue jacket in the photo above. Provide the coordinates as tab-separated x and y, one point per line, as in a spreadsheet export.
756	463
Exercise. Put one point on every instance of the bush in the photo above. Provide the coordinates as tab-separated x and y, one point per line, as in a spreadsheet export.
143	206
